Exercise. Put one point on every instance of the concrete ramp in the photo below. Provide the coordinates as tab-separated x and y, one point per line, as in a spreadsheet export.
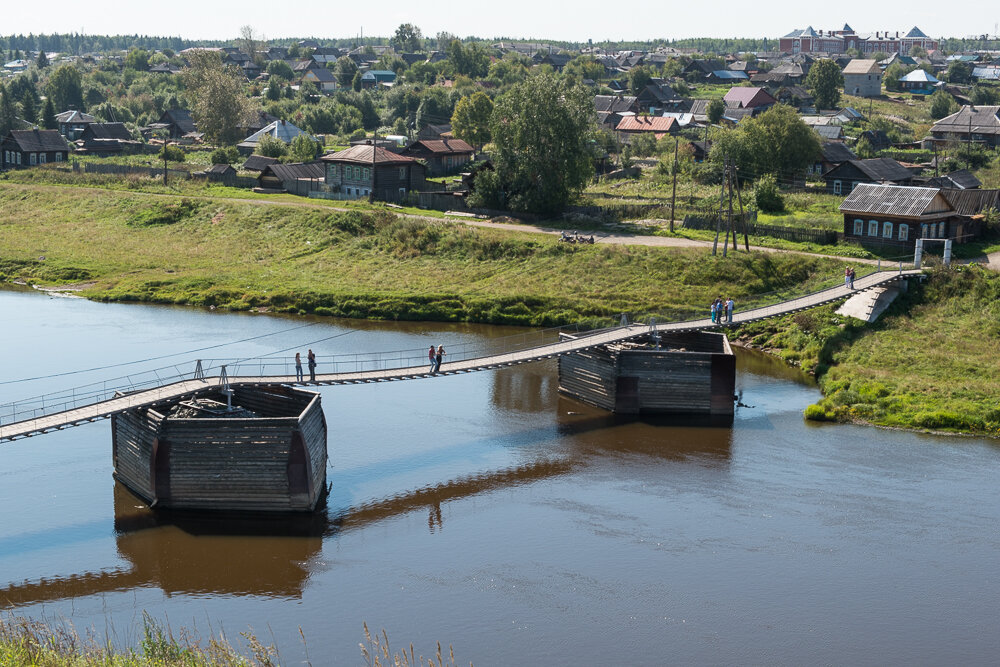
868	305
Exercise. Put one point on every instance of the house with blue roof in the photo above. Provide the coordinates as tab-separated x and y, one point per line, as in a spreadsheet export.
919	81
726	76
377	77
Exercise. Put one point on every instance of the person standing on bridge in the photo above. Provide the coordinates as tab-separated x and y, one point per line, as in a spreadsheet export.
298	367
730	304
432	357
437	357
851	285
311	360
847	277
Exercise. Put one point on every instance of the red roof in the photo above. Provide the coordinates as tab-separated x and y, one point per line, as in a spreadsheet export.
645	124
746	98
362	154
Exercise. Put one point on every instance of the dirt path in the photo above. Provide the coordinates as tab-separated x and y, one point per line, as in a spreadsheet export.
608	238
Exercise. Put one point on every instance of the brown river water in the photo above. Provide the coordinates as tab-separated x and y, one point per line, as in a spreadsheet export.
487	512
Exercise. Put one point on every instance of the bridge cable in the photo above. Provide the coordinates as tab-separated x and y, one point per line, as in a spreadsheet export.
165	356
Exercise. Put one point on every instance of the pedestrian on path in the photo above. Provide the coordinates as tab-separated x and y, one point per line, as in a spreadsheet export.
851	279
847	277
437	358
311	360
730	304
432	357
298	367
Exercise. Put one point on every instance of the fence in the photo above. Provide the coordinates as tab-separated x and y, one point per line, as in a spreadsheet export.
125	170
754	228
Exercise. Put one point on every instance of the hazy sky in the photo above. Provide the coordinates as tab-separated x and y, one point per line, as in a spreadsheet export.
578	21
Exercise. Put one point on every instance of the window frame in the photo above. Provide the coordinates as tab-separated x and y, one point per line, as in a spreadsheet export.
838	187
859	227
873	228
887	229
904	232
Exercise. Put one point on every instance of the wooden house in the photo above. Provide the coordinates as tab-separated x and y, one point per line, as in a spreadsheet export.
657	125
277	176
176	123
843	178
442	156
27	148
898	215
741	97
258	162
73	122
978	124
106	139
435	132
832	154
356	171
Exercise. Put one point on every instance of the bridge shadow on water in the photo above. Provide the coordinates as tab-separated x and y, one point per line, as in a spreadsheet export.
189	553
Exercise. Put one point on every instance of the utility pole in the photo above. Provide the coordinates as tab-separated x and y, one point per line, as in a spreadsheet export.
371	195
743	219
934	144
718	217
729	218
673	197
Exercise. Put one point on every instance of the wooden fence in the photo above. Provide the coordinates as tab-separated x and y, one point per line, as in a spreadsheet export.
754	228
126	170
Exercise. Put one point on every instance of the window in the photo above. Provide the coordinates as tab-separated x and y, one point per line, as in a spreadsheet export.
33	158
367	174
333	171
904	232
859	227
923	231
58	157
873	228
19	157
402	172
942	234
41	158
837	188
887	230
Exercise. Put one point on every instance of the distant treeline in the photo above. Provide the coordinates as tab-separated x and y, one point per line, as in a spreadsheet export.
78	44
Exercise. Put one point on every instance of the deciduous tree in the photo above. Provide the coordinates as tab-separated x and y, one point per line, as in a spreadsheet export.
407	38
715	110
65	88
776	142
219	105
471	120
826	80
541	129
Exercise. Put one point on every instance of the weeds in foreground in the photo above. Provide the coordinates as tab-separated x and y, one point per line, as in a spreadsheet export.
377	653
26	642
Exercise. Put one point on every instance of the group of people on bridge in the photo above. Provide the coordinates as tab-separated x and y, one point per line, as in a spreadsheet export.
434	356
722	310
311	361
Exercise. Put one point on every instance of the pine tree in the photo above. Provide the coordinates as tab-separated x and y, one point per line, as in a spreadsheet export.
43	60
49	116
29	108
8	113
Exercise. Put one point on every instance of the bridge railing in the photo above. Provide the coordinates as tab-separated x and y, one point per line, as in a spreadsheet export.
284	366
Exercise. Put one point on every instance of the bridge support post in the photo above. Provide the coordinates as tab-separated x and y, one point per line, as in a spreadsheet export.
947	252
918	253
624	321
226	389
199	372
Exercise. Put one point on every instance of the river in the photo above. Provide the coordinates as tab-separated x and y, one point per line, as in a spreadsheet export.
487	512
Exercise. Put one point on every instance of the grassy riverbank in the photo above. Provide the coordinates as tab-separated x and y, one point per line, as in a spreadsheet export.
931	362
371	264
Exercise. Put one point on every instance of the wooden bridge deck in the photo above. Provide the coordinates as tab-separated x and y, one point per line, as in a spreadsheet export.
171	392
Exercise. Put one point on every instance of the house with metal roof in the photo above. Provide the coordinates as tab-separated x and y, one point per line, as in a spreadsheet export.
72	123
742	97
988	73
960	179
106	139
377	77
919	81
279	129
832	154
726	76
277	176
27	148
978	124
899	215
863	78
846	176
356	171
657	125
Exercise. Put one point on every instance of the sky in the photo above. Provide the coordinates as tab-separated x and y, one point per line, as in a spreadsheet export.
570	21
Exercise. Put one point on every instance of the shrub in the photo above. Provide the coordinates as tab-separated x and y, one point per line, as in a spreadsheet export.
225	155
172	153
766	195
816	413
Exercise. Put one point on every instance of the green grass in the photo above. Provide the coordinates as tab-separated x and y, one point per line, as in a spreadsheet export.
931	362
241	255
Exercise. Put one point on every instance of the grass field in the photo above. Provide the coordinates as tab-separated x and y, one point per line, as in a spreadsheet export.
242	255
